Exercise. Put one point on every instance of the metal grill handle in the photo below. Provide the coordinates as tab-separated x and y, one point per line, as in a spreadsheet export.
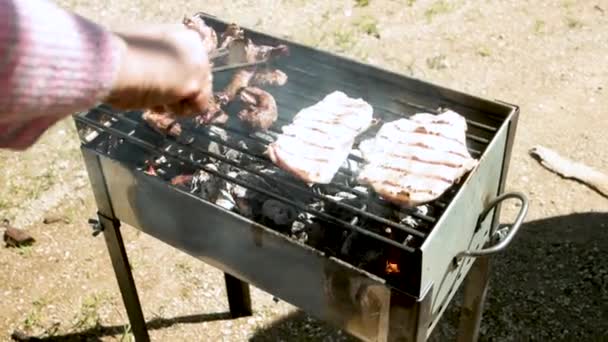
502	236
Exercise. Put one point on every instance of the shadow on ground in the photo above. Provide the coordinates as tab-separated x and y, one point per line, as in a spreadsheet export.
550	284
96	333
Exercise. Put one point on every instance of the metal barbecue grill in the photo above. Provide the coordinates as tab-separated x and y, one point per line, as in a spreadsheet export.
324	248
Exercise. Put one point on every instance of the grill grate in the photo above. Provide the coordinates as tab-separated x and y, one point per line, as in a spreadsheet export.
330	219
172	148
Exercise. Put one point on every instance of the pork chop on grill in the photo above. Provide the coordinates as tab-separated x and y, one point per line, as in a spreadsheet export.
415	160
320	137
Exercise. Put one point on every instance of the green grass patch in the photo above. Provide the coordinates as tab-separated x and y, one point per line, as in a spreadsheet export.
368	25
437	8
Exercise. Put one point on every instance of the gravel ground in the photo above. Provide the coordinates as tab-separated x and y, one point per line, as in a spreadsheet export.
549	57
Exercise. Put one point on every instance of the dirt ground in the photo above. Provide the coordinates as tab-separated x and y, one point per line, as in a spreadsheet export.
549	57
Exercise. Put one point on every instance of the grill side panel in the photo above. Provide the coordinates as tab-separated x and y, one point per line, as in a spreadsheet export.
460	220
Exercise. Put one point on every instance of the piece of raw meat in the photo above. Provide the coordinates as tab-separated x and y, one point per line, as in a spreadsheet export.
415	160
320	137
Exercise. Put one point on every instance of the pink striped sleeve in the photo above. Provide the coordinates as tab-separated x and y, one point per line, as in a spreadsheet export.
52	64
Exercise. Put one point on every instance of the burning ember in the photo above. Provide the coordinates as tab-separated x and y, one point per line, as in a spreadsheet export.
392	267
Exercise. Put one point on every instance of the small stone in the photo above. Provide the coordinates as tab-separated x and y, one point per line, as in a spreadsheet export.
14	237
49	219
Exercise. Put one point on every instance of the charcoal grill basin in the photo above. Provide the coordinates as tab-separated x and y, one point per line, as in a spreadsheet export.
361	303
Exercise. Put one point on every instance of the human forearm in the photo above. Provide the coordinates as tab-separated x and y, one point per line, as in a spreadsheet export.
52	62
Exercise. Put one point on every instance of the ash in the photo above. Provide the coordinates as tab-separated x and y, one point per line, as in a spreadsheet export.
235	175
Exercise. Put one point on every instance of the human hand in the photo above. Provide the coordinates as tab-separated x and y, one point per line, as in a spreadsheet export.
163	67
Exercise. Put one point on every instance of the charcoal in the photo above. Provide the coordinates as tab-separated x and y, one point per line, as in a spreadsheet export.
249	158
376	208
298	227
225	200
159	167
346	196
410	241
360	190
196	157
266	137
317	205
306	230
408	220
279	213
348	242
170	170
315	234
160	160
277	181
248	201
110	145
370	256
346	214
214	146
234	155
424	210
206	185
218	133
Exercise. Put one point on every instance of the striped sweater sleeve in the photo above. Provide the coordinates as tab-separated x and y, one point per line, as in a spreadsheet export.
52	64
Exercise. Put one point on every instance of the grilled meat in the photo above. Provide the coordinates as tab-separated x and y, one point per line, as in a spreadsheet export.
232	32
243	50
239	81
182	180
260	108
237	52
272	77
207	33
265	52
320	137
213	115
414	161
162	122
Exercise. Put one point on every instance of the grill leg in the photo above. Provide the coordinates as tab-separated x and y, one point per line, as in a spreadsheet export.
475	290
239	298
120	262
405	319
